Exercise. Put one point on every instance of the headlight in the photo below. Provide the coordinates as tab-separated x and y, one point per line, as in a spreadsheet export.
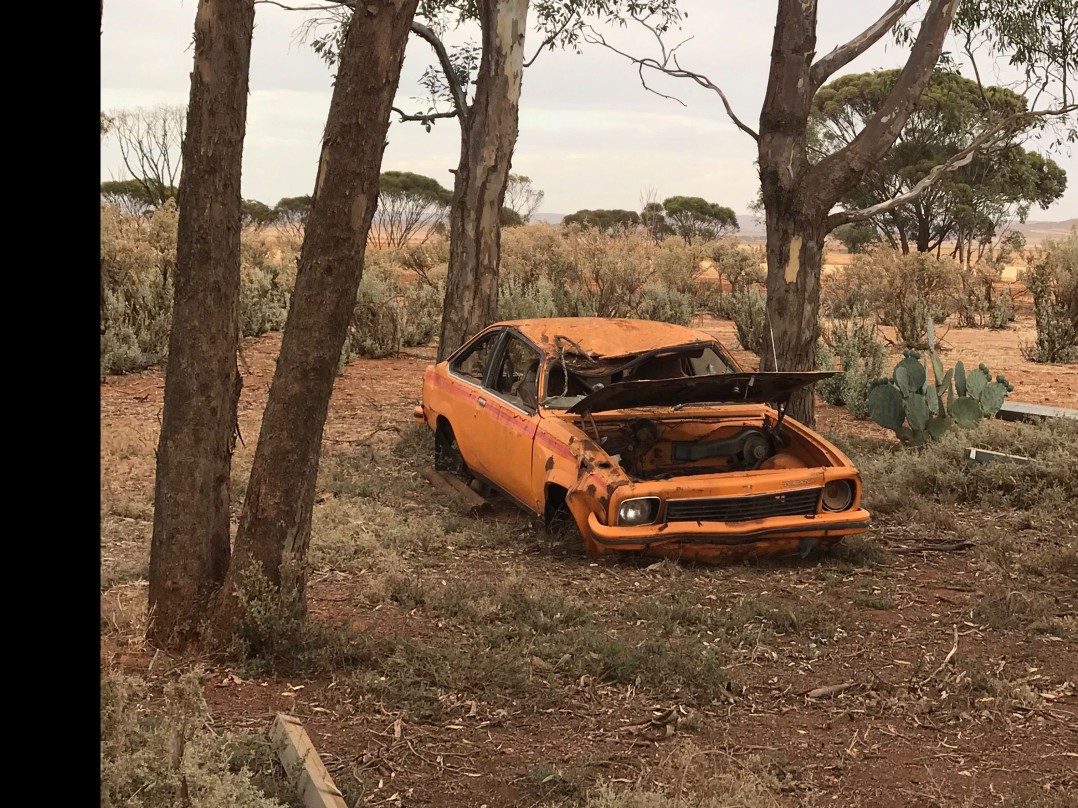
639	511
837	495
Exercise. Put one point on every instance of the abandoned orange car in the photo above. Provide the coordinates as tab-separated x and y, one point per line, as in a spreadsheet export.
650	435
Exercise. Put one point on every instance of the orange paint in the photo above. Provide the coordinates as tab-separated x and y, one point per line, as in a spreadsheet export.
528	445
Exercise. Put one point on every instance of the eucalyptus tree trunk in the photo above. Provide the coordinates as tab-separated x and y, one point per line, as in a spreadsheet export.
275	526
189	551
488	136
799	196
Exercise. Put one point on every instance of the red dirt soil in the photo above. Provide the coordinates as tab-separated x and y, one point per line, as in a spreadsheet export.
858	748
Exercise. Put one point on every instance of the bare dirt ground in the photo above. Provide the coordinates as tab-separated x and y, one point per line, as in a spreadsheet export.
487	704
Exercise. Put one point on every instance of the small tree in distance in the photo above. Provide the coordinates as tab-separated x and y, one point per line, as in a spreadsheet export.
150	141
257	214
410	207
856	237
292	212
696	218
522	197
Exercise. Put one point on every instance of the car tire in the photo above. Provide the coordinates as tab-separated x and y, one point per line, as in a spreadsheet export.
447	456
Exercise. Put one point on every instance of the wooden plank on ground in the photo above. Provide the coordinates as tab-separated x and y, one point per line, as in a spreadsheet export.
298	755
1020	411
473	503
987	456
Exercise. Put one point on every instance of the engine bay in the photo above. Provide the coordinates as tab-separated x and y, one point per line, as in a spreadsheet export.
653	449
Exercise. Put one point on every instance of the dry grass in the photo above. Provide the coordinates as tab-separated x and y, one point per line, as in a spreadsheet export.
443	621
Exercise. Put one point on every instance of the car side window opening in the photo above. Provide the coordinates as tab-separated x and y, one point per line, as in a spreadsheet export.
473	362
517	375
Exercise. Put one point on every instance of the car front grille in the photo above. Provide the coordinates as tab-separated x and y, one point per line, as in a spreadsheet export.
743	509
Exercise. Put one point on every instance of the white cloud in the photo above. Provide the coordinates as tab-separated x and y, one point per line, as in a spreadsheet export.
590	135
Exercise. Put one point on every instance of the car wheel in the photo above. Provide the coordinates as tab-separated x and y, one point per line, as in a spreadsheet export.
447	456
560	525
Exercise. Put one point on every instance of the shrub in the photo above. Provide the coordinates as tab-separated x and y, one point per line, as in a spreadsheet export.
1052	278
862	356
906	291
519	298
578	272
978	305
748	310
392	313
172	757
138	256
267	277
138	259
666	304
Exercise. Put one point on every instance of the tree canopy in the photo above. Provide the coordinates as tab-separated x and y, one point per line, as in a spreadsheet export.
967	205
695	218
257	214
133	197
608	221
410	207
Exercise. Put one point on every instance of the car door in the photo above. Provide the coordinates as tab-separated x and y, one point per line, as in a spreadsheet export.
507	417
460	403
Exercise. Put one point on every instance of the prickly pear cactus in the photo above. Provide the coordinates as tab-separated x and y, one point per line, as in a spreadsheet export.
918	411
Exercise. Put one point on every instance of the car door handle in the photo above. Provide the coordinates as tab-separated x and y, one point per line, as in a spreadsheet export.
482	402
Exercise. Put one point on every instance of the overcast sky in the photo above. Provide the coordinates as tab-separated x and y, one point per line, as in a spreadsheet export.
590	136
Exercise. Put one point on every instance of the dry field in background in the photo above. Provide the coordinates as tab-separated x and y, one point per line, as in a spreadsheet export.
933	663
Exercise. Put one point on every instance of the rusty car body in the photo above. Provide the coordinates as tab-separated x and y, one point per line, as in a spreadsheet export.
649	434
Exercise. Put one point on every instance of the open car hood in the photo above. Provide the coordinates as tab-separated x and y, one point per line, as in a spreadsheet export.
728	388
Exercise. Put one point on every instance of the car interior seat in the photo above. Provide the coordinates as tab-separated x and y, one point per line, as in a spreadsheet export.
528	387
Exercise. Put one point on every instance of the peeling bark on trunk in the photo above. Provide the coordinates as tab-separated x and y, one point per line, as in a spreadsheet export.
489	134
275	526
793	300
189	551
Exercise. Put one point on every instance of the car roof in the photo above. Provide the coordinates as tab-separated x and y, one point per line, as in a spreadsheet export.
607	336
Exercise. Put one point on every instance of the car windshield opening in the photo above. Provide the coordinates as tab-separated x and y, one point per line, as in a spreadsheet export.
570	377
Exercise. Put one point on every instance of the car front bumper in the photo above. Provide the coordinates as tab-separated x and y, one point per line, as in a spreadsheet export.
699	539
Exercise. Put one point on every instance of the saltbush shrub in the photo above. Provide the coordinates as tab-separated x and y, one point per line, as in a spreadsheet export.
861	357
138	256
138	260
172	757
748	309
905	291
1052	278
392	312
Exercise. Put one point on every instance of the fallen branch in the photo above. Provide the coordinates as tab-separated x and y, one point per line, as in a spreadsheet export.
948	658
827	690
956	546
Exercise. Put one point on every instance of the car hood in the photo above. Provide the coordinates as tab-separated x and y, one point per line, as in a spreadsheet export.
728	388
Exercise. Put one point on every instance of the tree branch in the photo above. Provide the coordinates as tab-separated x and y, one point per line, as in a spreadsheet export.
663	65
550	39
996	133
425	118
841	56
459	99
833	177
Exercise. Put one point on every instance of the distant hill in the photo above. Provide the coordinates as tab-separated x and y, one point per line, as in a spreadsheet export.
551	218
1038	232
